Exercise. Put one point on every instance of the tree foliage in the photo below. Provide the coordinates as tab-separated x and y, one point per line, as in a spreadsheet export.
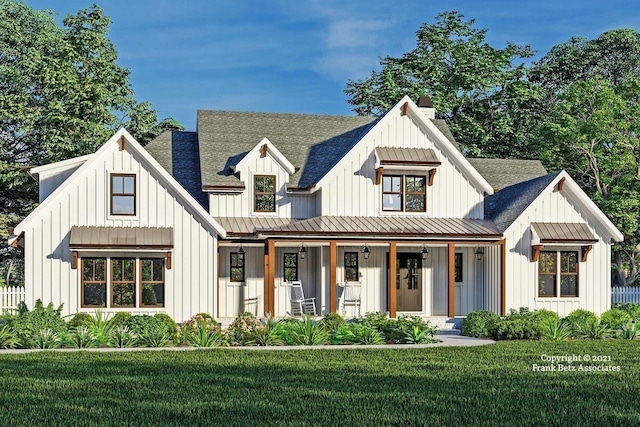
477	88
62	94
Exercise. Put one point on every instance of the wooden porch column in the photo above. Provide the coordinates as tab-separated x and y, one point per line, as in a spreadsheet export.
451	279
503	278
333	277
393	303
269	277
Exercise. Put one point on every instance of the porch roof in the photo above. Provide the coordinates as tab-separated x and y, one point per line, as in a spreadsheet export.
248	226
397	226
406	156
121	237
553	232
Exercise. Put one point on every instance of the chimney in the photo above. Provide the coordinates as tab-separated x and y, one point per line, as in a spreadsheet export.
426	105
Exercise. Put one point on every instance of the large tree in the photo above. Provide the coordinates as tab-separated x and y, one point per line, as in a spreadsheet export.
478	89
62	94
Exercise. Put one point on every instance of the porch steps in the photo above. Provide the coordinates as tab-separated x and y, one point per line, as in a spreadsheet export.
445	323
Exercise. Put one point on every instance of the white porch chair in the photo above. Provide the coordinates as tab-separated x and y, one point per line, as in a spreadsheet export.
299	304
349	296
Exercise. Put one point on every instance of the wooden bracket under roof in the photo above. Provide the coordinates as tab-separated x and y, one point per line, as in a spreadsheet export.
74	260
585	252
560	184
405	107
535	252
169	261
122	140
263	150
379	172
432	174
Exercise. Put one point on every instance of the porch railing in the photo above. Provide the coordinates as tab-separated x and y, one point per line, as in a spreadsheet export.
10	297
625	294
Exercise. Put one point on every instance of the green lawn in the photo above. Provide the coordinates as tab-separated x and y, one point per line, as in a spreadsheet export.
490	385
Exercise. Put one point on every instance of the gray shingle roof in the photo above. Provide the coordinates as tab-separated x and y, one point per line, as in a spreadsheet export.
226	137
177	152
506	205
501	173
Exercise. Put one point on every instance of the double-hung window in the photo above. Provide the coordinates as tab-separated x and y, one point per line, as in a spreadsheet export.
290	266
558	268
120	282
123	194
404	193
237	266
351	273
264	193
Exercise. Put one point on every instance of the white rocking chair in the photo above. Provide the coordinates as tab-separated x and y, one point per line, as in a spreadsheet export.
349	296
299	304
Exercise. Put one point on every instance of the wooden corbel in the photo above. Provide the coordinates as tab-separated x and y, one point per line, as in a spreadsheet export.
560	184
122	142
535	252
432	174
405	107
169	261
585	252
263	150
74	260
379	172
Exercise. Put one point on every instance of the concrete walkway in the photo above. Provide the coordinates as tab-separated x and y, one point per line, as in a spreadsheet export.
446	340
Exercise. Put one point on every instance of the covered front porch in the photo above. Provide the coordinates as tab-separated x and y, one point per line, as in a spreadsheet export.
427	274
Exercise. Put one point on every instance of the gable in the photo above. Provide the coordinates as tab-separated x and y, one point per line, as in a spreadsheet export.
88	187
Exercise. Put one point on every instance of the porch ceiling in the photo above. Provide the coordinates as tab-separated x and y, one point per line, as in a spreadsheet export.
382	227
121	237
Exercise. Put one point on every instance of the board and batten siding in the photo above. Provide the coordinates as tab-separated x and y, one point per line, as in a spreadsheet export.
594	277
241	204
351	190
189	285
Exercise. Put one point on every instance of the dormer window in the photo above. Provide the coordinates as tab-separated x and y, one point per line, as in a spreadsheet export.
264	193
404	193
123	194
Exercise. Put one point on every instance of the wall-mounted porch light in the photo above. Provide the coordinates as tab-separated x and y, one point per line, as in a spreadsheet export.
425	252
302	251
479	253
365	251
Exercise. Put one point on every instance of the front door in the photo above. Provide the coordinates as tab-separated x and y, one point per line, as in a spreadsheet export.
409	282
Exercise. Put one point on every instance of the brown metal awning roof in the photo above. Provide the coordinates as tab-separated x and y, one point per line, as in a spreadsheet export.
121	238
387	227
554	232
248	226
406	156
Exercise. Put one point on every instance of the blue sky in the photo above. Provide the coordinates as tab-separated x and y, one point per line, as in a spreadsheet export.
297	56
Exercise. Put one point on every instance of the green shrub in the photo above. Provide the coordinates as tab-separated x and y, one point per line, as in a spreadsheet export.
144	325
516	327
202	336
546	317
307	332
155	337
119	319
556	330
615	319
632	309
630	331
243	329
578	320
8	338
595	329
332	321
27	324
122	337
79	319
101	327
47	339
478	323
172	326
357	333
408	326
198	325
81	337
376	319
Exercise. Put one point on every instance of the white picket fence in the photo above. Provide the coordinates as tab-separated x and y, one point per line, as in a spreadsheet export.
10	297
623	294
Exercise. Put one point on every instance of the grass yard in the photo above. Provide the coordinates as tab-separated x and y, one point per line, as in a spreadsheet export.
491	385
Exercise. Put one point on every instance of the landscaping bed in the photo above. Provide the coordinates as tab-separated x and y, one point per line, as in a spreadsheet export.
488	385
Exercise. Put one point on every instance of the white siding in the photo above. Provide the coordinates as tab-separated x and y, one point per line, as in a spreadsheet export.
237	297
190	284
522	274
351	188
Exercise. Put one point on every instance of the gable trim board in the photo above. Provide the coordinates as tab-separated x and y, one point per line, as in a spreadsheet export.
260	151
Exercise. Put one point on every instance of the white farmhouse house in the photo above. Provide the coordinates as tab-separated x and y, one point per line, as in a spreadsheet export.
222	219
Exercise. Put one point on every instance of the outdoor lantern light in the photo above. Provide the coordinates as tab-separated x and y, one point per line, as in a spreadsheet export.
479	253
241	250
425	252
366	252
302	251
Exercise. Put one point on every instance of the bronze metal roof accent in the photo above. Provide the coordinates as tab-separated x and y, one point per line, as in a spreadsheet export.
555	232
121	238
